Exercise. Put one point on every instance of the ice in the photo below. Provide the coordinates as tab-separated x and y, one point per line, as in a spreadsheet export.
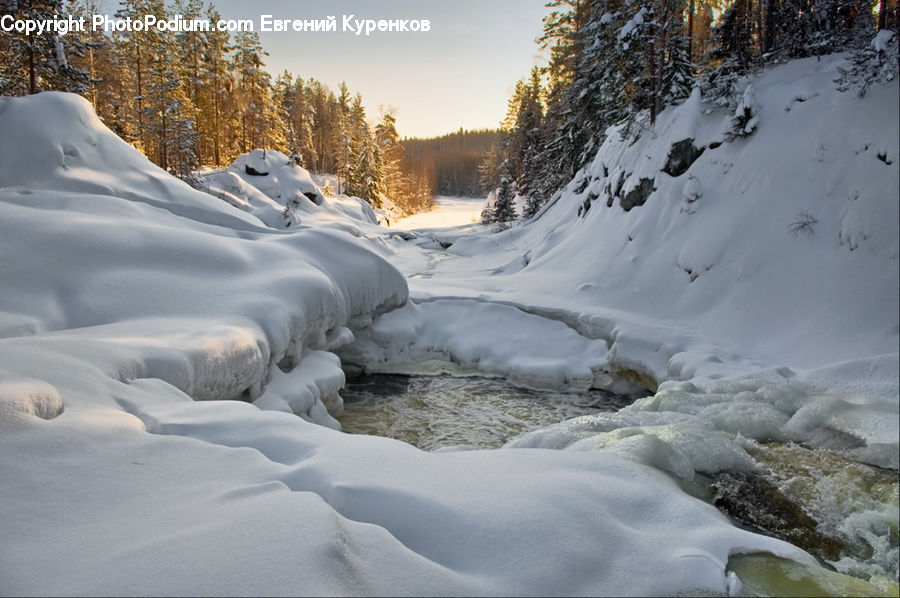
449	211
418	340
310	389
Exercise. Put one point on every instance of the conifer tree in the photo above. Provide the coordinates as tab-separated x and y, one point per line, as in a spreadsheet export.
341	135
253	83
216	78
489	168
167	113
504	210
191	48
364	172
34	63
391	153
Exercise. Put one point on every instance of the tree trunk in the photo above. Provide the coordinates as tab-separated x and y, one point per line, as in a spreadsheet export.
198	119
93	78
656	104
882	14
163	145
32	73
140	90
769	38
216	156
690	31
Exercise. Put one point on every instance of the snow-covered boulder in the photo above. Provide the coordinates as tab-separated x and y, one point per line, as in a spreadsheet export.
272	187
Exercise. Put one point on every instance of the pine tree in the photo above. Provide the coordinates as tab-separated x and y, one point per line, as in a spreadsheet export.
679	71
215	75
135	49
34	63
504	210
341	135
391	154
364	172
168	114
522	133
488	169
253	100
108	82
322	100
191	48
875	63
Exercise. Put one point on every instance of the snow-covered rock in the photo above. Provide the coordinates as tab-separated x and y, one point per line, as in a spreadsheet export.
269	185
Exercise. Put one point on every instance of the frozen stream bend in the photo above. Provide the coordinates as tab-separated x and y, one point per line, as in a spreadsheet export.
726	435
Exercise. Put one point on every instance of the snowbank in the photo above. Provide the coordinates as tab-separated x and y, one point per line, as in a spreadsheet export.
105	248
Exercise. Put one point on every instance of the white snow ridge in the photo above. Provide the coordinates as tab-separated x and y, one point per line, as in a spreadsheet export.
170	363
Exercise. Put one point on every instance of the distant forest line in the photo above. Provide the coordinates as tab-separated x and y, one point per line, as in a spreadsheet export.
450	162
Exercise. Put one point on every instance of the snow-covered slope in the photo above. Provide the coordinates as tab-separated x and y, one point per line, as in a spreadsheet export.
777	250
751	280
127	297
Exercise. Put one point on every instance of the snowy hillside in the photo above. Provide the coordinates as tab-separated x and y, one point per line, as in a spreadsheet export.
752	281
134	309
775	250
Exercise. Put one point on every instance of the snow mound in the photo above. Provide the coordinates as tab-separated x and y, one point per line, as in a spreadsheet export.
20	397
107	247
269	185
55	142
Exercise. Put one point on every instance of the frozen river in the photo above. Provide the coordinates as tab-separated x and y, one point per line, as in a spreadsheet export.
450	211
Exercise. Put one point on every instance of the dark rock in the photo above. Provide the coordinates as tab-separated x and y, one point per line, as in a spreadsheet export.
582	185
619	183
253	172
638	196
586	206
313	197
758	505
681	155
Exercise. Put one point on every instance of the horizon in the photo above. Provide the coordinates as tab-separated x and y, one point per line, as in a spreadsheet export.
459	74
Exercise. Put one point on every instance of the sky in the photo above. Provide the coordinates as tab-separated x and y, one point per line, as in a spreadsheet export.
459	74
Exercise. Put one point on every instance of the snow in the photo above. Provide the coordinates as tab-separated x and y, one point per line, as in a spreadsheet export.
268	185
449	211
417	340
751	328
882	39
132	306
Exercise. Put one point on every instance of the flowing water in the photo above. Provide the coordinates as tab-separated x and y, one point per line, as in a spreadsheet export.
433	412
843	512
